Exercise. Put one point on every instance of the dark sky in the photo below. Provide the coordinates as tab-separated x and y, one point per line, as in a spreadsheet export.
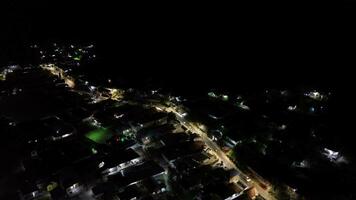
272	42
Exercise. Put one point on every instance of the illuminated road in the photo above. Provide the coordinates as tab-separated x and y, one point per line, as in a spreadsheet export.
115	95
219	153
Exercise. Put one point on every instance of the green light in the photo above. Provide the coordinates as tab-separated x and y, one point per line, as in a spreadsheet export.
77	58
2	77
52	186
99	135
225	97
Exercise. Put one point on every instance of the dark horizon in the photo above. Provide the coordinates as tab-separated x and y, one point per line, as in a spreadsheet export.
281	47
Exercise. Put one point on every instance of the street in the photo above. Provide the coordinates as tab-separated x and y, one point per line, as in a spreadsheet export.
228	164
219	153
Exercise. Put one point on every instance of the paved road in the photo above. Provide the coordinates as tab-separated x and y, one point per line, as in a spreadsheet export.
219	153
189	125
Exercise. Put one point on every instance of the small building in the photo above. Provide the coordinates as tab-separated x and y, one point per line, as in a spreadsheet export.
135	174
118	161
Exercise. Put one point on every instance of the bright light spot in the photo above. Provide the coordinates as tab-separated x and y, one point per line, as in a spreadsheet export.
282	127
92	88
74	189
34	194
178	99
292	108
12	124
7	70
315	95
284	92
312	109
94	122
330	154
101	164
94	151
118	116
302	164
225	97
113	169
248	179
116	94
77	58
212	94
66	135
158	108
70	82
243	106
213	116
74	186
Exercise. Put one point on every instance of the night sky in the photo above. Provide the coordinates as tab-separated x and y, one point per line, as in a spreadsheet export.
250	45
270	43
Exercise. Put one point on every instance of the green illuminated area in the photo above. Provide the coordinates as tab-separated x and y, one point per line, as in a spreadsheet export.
225	97
100	135
77	58
2	77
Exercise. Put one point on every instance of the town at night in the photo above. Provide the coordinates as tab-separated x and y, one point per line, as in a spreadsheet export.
165	112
